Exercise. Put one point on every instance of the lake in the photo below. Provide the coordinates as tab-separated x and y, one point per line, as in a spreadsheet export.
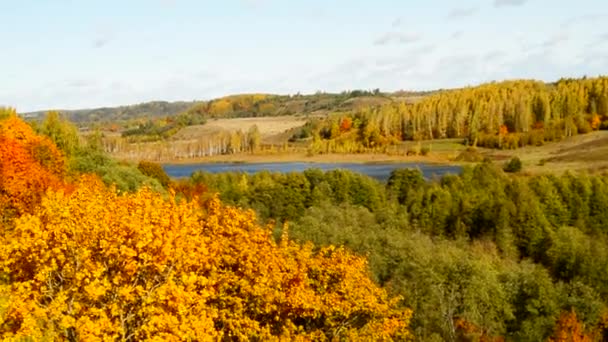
380	171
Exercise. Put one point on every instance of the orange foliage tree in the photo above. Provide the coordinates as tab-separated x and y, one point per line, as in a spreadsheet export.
346	124
96	265
29	165
467	331
569	329
595	122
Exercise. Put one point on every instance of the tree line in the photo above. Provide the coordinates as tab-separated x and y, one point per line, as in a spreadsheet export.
504	115
217	143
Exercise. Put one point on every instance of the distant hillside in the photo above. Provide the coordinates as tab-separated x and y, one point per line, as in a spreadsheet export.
258	105
149	110
243	105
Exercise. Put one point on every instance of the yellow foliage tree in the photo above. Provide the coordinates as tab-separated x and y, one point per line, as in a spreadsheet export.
220	107
96	265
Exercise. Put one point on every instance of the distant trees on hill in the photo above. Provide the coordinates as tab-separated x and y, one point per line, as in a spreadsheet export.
503	115
257	105
150	110
508	115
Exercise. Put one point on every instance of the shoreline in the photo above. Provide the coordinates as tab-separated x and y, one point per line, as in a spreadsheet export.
303	158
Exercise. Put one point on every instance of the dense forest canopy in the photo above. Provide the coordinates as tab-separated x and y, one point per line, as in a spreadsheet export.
479	256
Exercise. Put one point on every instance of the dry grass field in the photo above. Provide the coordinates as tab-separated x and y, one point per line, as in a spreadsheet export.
268	126
587	152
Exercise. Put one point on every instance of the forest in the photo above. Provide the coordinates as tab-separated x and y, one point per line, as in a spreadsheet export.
503	115
95	248
480	256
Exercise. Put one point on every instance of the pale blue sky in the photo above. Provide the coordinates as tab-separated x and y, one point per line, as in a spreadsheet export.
67	54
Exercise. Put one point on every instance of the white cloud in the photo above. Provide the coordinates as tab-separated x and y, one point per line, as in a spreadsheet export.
457	34
555	40
504	3
462	12
397	38
101	42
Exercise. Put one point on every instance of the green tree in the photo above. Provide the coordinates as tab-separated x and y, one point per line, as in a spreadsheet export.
63	133
155	171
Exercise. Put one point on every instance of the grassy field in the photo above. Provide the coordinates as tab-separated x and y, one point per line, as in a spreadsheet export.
269	127
587	152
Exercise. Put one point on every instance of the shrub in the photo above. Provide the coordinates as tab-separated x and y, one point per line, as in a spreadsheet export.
583	126
425	150
514	165
412	151
470	155
155	171
536	138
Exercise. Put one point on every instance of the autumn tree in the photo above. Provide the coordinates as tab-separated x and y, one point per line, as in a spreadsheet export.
29	165
595	121
345	124
254	138
569	329
95	265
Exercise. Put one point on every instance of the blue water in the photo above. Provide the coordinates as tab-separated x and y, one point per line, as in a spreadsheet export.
380	171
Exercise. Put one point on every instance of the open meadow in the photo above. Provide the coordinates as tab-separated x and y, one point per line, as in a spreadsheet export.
269	127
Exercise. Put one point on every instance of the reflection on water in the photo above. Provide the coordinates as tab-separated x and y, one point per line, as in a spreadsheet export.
380	171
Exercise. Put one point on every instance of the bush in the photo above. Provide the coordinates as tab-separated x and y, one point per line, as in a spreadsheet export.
470	155
425	150
583	126
511	141
488	141
514	165
155	171
412	151
126	177
536	137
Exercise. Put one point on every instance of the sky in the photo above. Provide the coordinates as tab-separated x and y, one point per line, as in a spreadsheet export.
68	54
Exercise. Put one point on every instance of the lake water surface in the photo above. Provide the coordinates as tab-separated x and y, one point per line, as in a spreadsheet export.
380	171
